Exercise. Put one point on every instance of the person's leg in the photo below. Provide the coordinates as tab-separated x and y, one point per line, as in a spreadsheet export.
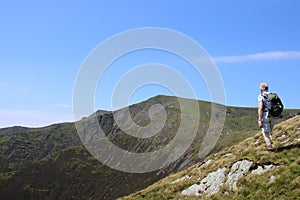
266	130
268	140
272	122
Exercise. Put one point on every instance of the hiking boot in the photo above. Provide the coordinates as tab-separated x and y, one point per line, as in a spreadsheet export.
270	148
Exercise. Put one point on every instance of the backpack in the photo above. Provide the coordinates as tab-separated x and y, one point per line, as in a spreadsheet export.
275	106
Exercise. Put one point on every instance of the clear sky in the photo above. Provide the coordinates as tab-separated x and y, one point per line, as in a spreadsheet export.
44	43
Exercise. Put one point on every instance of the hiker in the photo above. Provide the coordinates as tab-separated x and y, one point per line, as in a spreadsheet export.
265	120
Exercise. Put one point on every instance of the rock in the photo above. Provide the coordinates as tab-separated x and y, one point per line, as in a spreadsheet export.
297	139
192	190
259	170
238	169
268	167
282	137
272	178
213	181
262	169
209	185
287	140
228	155
182	179
205	163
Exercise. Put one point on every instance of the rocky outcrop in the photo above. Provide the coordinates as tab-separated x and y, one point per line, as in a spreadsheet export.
262	169
238	170
209	185
212	183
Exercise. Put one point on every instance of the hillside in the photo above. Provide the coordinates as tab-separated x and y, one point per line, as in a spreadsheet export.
243	171
21	147
52	163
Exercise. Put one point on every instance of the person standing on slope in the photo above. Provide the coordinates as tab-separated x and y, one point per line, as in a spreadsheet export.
265	121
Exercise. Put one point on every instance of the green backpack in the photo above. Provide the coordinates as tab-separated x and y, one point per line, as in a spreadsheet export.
275	105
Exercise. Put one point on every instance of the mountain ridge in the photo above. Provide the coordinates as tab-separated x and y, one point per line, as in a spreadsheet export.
30	153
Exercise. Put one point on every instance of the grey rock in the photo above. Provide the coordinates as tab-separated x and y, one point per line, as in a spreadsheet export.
182	179
209	185
192	190
262	169
272	178
228	155
297	139
238	169
285	141
207	162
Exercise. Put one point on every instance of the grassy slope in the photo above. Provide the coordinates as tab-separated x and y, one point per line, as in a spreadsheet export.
71	174
50	159
21	147
286	138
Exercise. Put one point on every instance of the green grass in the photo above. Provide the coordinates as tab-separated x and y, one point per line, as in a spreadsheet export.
23	149
50	162
285	185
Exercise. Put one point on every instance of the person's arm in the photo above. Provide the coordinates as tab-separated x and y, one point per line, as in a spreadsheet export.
260	113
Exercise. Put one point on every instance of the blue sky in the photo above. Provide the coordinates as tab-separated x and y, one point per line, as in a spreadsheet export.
44	43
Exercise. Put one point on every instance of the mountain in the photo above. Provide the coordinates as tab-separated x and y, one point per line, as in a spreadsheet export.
21	147
243	171
52	163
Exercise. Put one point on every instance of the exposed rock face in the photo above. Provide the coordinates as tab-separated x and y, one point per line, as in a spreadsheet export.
213	181
262	169
209	185
238	169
